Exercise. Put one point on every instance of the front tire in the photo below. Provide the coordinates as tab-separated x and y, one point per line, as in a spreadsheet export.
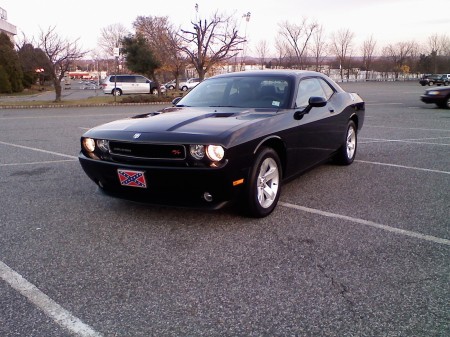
347	152
445	104
263	190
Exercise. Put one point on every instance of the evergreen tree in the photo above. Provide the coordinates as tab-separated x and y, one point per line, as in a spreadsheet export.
11	64
5	85
139	56
31	59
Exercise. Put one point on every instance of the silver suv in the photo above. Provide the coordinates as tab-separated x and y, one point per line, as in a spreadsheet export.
128	84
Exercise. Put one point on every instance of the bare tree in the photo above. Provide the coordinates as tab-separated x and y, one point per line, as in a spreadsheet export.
164	42
110	38
61	53
282	52
399	54
433	43
438	47
342	47
298	36
261	50
210	42
445	45
319	47
368	52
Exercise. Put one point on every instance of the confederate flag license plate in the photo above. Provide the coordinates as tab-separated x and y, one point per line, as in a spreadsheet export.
132	178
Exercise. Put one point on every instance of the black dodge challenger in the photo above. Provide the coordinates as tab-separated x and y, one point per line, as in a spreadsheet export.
234	137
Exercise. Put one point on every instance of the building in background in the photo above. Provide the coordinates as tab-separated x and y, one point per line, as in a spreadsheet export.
5	26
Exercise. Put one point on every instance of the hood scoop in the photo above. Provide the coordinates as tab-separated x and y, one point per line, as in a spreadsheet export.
223	114
201	117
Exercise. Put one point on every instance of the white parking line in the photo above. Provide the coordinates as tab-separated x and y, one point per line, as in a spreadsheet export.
393	103
368	223
62	116
52	309
412	141
39	150
41	162
403	128
401	166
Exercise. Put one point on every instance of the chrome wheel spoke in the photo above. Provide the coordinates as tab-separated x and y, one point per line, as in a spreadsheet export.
267	184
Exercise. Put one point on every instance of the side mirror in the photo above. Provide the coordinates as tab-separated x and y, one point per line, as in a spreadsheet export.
313	102
176	100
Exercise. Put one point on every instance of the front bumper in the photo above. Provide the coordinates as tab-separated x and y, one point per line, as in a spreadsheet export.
180	186
432	99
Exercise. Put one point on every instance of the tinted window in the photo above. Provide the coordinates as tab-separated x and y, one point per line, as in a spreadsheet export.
141	79
328	90
123	79
308	88
240	91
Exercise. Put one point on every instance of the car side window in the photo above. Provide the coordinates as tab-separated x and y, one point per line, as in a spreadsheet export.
327	89
308	87
141	79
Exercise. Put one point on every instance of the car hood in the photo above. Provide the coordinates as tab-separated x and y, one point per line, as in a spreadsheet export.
184	124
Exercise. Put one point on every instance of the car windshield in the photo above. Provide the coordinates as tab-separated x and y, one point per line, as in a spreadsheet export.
241	91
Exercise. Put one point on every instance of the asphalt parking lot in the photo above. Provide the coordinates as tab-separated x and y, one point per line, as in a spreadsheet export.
361	250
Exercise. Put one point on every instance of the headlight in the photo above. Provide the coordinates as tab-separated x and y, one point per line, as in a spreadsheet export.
103	145
197	151
89	144
215	152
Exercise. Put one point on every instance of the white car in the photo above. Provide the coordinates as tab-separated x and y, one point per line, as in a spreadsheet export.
128	84
189	84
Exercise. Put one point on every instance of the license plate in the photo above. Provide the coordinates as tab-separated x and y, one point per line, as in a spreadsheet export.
132	178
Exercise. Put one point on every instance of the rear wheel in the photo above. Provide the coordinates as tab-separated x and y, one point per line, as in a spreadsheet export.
117	92
430	83
347	152
263	190
155	91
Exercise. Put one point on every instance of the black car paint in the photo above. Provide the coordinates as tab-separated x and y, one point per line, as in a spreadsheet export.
441	97
301	144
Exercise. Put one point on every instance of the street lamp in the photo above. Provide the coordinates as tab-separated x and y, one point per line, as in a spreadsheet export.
247	19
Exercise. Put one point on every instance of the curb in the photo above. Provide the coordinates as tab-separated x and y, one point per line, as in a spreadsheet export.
78	105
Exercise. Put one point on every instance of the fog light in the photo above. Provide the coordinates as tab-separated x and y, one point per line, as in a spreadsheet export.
197	151
207	196
103	145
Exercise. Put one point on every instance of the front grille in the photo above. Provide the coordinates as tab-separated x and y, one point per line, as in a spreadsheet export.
147	151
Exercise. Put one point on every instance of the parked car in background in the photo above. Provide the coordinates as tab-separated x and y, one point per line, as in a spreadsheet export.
429	79
443	80
189	84
128	84
438	96
234	137
172	84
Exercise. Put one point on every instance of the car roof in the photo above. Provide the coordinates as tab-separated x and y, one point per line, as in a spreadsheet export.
272	72
292	73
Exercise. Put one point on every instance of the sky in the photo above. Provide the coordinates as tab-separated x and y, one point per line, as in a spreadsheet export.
388	21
